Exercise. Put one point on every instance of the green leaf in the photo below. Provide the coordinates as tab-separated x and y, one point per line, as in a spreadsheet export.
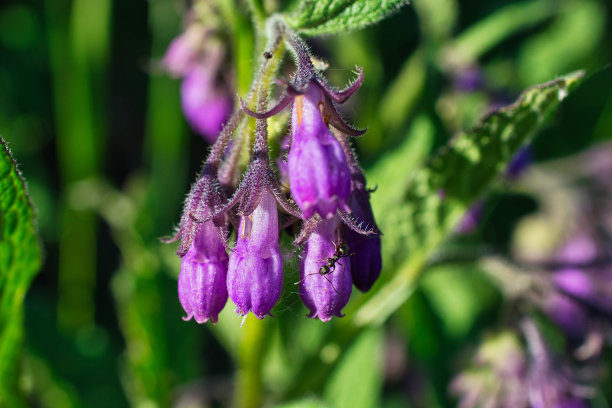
305	403
570	39
495	28
357	379
20	259
317	17
437	195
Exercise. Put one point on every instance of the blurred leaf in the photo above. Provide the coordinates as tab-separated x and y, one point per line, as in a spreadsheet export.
20	259
402	94
356	382
393	170
571	38
438	194
490	31
458	295
316	17
437	17
305	403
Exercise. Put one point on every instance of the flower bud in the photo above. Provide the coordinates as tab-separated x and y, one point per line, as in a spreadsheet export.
366	261
318	170
202	280
255	276
325	291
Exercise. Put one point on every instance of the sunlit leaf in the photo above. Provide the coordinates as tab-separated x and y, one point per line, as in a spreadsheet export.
316	17
437	195
20	258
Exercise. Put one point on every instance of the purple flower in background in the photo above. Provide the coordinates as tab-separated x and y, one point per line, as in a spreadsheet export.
206	103
592	286
497	375
581	296
472	218
202	280
184	51
206	96
550	381
519	163
569	315
325	285
469	79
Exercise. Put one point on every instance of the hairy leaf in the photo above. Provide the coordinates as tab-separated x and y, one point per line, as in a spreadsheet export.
316	17
437	195
20	258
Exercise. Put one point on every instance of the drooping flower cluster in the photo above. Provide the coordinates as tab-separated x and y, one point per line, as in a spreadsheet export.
198	56
327	195
503	374
577	267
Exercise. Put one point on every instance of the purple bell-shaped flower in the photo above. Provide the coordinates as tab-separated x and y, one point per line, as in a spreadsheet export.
318	170
325	273
201	283
255	277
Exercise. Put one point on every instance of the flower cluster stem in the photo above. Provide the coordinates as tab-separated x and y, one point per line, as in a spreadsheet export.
249	387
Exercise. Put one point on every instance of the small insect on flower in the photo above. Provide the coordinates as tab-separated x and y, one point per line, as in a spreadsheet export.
340	251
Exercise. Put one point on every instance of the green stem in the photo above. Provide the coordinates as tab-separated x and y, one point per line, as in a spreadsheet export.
249	385
78	35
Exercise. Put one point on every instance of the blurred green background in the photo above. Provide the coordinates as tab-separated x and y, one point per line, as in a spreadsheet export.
97	129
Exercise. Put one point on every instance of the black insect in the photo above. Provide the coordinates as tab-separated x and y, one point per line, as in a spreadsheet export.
341	250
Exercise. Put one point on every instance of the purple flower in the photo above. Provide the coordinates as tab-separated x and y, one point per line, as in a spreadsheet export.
318	171
201	283
469	79
319	174
206	97
202	280
519	163
551	382
184	51
325	287
472	218
583	278
206	103
496	377
593	286
569	315
366	261
255	276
